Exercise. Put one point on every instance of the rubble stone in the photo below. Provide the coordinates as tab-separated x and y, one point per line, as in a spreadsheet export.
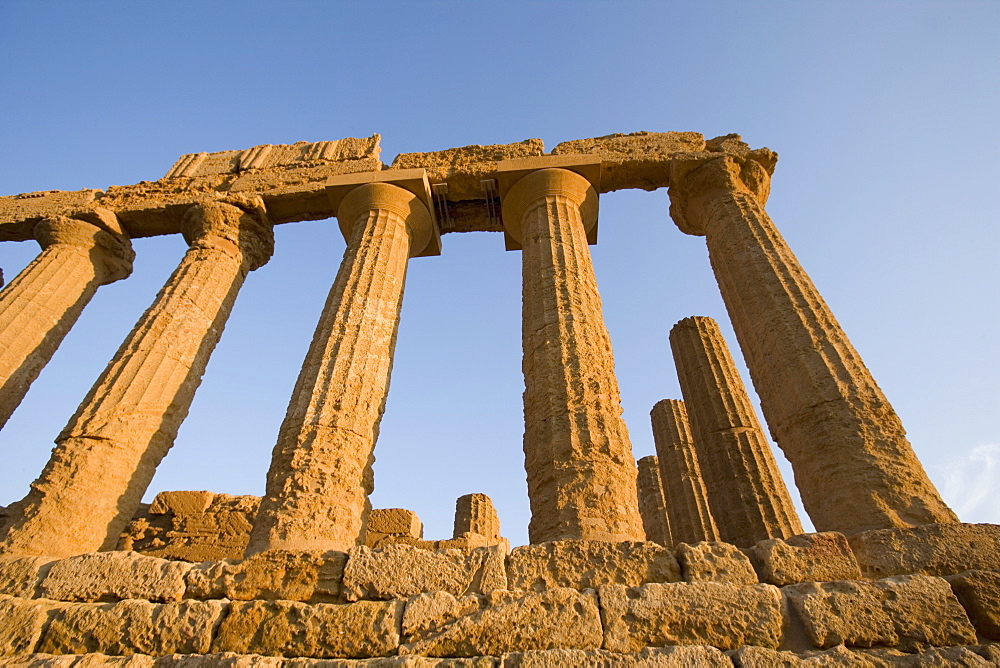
932	549
813	557
109	576
589	564
715	562
690	613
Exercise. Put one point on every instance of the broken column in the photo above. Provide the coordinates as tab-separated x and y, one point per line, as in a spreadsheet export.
578	457
43	302
106	456
652	506
748	498
854	467
321	468
474	513
684	491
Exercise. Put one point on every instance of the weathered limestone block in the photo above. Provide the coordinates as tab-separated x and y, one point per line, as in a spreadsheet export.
715	562
979	594
690	613
395	521
109	576
811	557
652	506
290	575
80	661
133	627
107	454
667	657
587	564
321	466
854	468
401	571
578	456
22	576
227	660
934	657
748	498
684	490
763	657
22	622
177	503
323	630
474	513
44	301
20	213
635	160
505	621
465	167
932	549
910	611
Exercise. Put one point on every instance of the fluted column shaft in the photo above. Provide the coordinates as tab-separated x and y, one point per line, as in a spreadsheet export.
652	504
578	457
44	301
684	490
853	465
321	468
106	456
748	498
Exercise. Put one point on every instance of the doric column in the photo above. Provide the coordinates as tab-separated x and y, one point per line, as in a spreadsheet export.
854	467
683	485
652	506
43	302
474	513
748	498
321	468
106	456
578	457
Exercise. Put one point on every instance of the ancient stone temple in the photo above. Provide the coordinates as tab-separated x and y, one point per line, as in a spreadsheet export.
695	557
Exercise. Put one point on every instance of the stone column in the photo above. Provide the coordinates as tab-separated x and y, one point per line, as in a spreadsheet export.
684	491
321	468
474	513
43	302
578	457
748	498
853	465
652	504
106	456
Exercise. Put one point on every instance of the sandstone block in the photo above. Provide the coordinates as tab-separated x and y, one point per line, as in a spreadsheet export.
109	576
22	623
813	557
688	657
176	503
931	549
21	576
690	613
911	612
291	575
979	594
401	571
133	627
322	630
502	621
395	521
708	561
586	564
762	657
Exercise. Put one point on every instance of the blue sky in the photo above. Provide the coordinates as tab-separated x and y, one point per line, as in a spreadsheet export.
884	115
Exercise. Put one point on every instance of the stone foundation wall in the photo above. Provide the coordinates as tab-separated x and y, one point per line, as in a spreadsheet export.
923	596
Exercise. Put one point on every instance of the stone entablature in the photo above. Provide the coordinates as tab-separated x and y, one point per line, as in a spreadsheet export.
638	603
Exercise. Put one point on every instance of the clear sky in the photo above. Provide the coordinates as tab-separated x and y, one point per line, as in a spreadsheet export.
884	115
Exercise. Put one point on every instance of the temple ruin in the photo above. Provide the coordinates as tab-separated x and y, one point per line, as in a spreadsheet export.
695	556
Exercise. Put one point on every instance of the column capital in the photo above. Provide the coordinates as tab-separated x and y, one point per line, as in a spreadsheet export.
239	227
110	251
541	183
388	197
693	183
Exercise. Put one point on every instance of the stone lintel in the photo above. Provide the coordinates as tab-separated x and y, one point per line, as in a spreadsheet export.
413	180
509	172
